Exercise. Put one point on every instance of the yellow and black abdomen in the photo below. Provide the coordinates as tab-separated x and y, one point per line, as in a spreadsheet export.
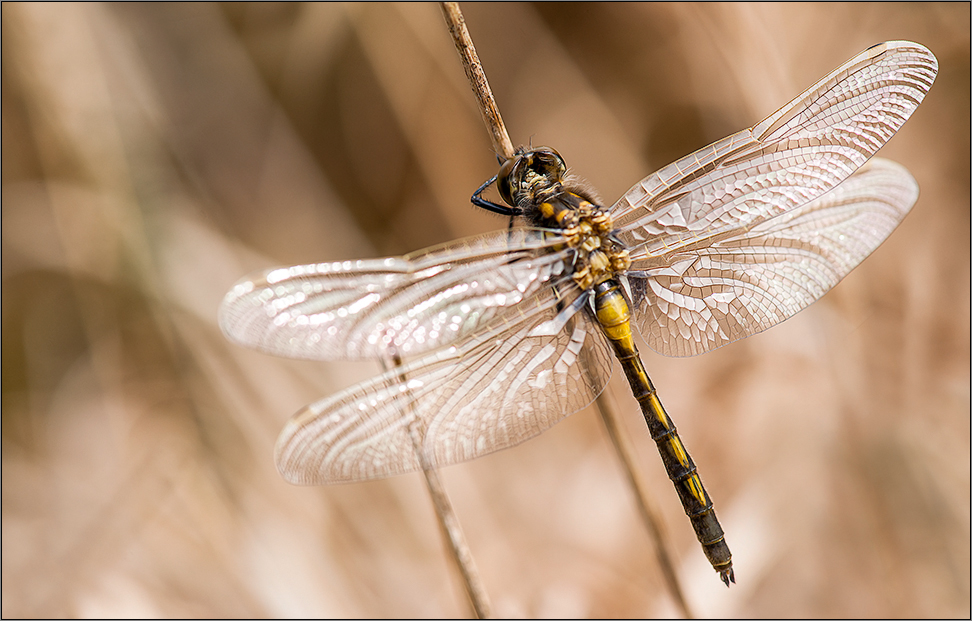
613	314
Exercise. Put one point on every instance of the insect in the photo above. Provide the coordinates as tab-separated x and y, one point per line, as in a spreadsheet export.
498	337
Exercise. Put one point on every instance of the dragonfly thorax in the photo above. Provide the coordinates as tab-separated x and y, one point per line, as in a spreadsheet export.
535	182
588	229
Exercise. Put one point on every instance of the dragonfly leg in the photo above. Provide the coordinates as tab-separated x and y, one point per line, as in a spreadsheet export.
478	200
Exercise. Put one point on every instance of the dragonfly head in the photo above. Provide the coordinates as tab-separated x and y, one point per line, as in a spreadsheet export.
529	172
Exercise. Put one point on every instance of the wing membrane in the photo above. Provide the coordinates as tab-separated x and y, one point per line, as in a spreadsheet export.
492	391
790	158
408	305
749	279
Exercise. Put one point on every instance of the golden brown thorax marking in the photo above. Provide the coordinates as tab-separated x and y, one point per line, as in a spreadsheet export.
587	228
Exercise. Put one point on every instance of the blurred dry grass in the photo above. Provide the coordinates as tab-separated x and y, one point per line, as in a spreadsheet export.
154	153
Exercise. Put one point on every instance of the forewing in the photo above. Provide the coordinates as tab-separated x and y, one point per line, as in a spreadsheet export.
795	155
402	305
495	390
744	281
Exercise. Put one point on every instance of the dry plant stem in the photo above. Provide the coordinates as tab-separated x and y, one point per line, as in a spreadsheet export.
478	598
655	529
477	79
455	539
504	147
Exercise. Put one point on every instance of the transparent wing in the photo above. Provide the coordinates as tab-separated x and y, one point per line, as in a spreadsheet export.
497	389
746	280
720	196
795	155
409	305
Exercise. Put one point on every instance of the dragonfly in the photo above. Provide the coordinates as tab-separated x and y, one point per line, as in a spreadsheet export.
496	338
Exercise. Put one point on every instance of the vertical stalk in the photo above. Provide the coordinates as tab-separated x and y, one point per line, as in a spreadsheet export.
455	539
504	147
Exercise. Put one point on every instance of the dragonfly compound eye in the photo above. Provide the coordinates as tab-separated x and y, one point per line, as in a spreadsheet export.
547	163
528	172
504	180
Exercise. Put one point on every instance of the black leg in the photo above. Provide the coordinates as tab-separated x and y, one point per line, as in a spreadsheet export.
481	202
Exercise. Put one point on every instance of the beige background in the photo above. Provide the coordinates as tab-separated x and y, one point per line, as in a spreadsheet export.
153	154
